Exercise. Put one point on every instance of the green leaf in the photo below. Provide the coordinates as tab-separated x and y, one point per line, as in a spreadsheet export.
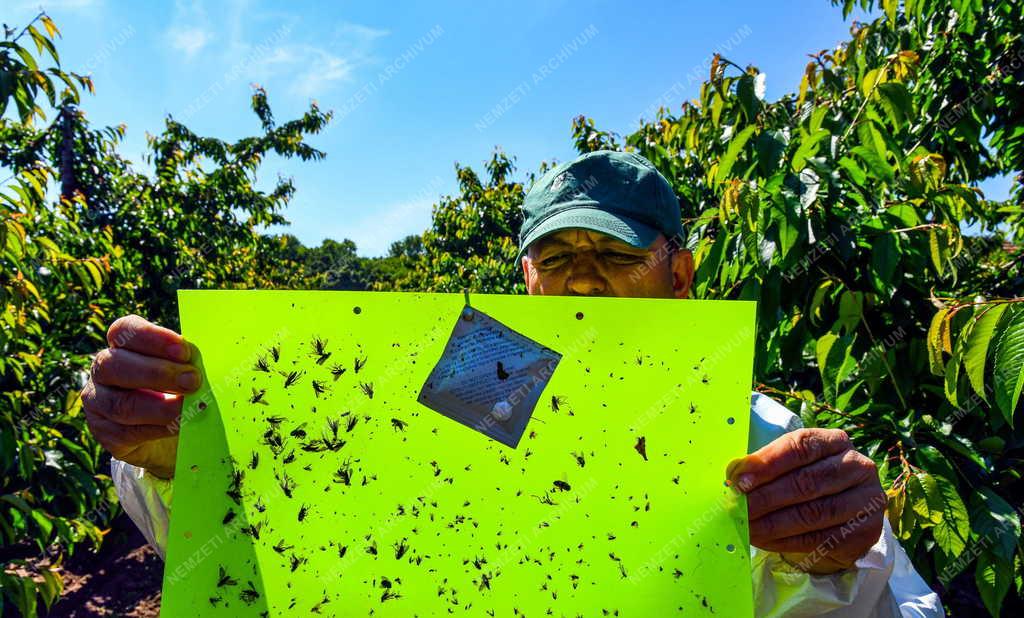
822	350
897	102
770	147
925	497
94	273
789	226
18	502
932	460
708	267
993	579
834	361
736	145
717	104
952	381
52	588
26	57
851	308
905	214
993	445
817	118
978	345
1008	361
876	164
938	249
818	300
952	531
996	523
857	175
808	148
747	95
45	527
884	259
871	138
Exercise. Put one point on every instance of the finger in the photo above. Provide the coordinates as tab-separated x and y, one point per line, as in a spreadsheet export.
818	514
131	407
845	542
131	370
123	439
132	332
789	452
824	477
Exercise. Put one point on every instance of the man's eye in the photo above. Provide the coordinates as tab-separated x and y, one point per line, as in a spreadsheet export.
617	257
554	260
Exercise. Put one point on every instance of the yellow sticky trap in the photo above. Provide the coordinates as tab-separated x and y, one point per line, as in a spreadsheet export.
316	482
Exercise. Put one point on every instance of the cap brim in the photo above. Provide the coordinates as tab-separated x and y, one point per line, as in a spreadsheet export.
627	230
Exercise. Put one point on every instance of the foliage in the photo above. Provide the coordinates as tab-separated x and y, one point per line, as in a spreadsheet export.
55	293
473	238
85	238
889	288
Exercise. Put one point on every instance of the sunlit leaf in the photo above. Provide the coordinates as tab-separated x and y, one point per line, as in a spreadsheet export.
1008	361
977	347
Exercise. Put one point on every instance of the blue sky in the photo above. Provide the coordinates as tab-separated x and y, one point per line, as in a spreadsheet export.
417	86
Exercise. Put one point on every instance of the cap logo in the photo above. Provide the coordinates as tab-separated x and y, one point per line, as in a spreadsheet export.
560	180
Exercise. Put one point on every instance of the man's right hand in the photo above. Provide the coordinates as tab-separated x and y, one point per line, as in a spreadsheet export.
133	398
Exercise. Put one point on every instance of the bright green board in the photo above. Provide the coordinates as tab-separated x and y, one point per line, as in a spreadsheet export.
436	518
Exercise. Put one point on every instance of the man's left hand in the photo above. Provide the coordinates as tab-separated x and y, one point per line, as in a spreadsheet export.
812	498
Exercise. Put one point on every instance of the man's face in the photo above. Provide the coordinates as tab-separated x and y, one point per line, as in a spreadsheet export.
579	262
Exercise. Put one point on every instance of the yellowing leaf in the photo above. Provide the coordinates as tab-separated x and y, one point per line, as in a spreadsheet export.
51	28
890	6
908	57
867	85
938	341
894	508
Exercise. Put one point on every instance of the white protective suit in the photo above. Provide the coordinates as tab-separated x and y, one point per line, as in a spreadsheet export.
883	583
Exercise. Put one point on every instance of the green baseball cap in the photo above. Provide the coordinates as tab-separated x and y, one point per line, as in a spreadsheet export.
616	193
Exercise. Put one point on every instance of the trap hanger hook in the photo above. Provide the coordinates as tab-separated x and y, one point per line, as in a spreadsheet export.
467	310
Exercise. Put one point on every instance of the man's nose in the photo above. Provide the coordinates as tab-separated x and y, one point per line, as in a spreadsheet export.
584	279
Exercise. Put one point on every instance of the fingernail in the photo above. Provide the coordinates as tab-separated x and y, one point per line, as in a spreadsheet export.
746	482
178	352
188	380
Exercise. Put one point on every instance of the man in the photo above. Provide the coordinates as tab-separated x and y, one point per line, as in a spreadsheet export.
605	224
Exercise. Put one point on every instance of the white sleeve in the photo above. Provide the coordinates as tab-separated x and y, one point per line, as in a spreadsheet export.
882	584
146	499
